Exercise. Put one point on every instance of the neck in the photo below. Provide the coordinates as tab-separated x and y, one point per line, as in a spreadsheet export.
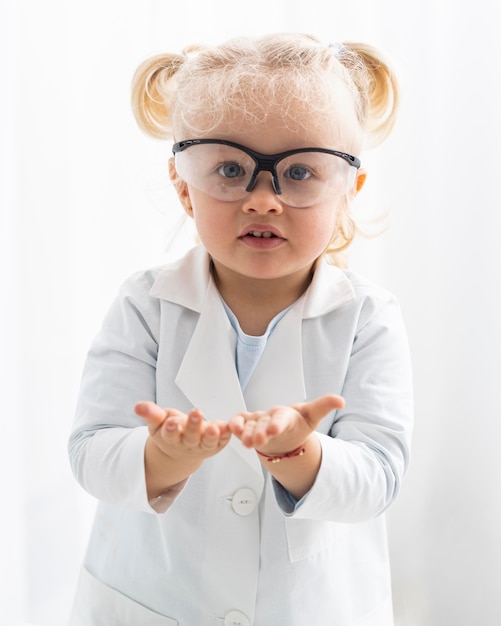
255	302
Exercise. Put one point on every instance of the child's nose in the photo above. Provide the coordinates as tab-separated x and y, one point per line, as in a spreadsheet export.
263	198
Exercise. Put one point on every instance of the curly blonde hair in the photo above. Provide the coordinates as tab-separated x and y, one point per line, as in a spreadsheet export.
179	95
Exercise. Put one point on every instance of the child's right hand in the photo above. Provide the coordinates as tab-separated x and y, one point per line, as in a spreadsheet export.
178	445
181	436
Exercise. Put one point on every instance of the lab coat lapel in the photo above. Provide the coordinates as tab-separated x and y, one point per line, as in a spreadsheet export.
207	375
278	377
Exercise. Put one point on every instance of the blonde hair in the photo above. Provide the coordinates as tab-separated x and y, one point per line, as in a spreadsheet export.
180	96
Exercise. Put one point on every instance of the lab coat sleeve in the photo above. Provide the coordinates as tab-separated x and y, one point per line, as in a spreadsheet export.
106	446
366	452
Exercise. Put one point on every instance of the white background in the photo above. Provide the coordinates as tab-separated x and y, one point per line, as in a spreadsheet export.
85	201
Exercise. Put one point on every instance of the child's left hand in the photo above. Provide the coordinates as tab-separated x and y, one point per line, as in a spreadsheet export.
282	428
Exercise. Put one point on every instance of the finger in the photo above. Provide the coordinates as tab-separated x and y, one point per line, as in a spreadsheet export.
265	427
210	436
150	412
225	438
172	428
193	429
224	428
315	410
215	437
224	433
156	418
281	418
247	436
236	425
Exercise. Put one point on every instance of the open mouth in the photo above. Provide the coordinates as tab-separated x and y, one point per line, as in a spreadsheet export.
262	237
265	235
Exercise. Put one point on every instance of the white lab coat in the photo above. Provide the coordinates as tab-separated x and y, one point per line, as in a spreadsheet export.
228	547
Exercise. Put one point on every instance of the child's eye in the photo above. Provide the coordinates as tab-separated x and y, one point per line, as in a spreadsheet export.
231	170
298	172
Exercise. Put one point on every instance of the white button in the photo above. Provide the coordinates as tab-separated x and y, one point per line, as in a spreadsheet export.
244	501
236	618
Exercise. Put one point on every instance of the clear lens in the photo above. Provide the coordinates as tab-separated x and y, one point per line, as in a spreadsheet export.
309	177
220	171
225	172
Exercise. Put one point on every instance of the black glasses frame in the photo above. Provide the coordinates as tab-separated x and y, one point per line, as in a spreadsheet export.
265	162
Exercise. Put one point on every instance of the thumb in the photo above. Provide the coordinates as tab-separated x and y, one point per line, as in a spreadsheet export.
315	410
152	414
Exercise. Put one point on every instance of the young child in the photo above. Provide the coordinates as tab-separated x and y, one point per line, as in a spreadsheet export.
245	412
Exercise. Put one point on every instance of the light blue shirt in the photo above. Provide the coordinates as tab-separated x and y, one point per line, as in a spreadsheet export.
250	347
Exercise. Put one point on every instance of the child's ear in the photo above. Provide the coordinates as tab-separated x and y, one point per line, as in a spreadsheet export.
181	188
360	180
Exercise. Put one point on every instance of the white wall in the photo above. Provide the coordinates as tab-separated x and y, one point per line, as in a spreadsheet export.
84	203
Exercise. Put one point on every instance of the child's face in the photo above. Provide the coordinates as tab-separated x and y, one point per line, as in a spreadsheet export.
260	236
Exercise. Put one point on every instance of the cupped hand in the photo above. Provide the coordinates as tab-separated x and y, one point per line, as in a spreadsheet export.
179	435
282	428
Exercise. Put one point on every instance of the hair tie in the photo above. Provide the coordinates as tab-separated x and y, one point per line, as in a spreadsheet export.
338	47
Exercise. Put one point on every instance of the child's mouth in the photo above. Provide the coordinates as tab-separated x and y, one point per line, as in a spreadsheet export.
262	239
256	233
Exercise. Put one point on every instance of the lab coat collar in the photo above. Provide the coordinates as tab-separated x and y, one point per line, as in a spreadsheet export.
185	282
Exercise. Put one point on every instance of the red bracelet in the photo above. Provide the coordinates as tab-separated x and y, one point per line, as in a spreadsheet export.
299	451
